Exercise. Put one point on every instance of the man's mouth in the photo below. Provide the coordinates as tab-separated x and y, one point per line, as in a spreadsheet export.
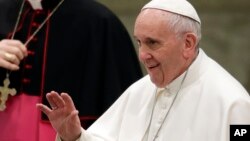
152	66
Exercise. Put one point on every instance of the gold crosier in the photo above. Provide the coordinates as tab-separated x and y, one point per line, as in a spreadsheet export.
5	91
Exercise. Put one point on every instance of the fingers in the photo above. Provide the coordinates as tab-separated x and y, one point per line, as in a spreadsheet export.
55	100
9	61
11	53
11	58
68	101
45	109
8	65
59	104
73	115
14	47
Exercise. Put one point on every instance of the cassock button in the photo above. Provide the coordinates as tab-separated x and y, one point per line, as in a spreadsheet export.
31	52
28	66
26	81
34	24
38	12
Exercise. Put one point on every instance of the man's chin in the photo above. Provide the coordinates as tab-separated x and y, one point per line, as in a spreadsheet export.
155	80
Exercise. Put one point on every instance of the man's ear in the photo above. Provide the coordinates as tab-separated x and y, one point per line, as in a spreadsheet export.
190	40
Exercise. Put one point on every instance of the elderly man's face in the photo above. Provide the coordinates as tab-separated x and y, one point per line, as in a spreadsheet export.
159	49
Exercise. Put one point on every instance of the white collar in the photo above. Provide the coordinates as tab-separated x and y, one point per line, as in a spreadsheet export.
193	74
36	4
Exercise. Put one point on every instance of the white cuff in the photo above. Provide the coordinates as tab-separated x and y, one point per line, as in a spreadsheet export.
59	139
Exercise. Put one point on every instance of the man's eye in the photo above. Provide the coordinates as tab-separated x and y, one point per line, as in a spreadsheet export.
151	42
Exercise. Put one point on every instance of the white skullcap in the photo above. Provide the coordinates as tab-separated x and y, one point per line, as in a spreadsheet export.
182	7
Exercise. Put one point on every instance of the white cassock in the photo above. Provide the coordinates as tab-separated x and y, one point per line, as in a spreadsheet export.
208	102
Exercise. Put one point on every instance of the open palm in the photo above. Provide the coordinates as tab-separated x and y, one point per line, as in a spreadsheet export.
62	115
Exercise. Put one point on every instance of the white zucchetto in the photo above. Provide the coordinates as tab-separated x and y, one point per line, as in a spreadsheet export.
182	7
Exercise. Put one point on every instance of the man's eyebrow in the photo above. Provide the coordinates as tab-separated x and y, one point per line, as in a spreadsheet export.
151	39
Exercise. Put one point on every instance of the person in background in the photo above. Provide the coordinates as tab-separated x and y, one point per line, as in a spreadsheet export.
81	48
186	95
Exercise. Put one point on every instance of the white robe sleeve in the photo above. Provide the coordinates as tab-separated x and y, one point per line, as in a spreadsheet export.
240	112
127	119
84	137
105	129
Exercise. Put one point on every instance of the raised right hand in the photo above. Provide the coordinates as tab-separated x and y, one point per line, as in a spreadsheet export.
62	115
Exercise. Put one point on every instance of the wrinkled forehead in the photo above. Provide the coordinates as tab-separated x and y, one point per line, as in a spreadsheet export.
146	13
152	21
152	15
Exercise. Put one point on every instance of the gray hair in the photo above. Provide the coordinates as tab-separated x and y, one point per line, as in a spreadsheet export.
182	24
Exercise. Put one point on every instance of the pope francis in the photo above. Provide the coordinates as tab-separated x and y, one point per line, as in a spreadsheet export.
186	95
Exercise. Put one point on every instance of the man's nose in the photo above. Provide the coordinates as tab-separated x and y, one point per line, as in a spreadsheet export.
144	53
